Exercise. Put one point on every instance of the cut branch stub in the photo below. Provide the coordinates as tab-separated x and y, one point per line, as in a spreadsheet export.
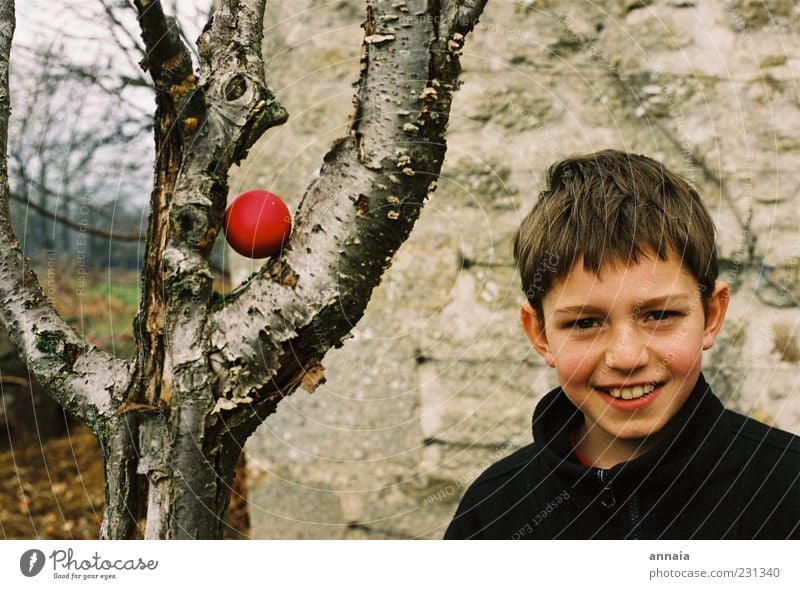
236	88
240	105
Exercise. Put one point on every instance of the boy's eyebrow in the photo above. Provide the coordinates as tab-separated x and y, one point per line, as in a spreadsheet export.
641	303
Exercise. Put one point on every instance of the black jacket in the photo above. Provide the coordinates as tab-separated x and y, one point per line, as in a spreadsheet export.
715	474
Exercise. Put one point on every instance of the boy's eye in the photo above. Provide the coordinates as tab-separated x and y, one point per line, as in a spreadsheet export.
582	324
662	315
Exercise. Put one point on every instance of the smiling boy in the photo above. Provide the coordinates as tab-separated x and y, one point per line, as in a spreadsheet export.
619	267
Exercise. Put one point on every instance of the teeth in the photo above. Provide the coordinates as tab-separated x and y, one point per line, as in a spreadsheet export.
632	392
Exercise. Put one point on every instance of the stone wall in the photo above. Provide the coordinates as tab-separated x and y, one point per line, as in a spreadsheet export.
438	380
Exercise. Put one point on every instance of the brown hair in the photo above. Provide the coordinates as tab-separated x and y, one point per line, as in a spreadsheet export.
613	207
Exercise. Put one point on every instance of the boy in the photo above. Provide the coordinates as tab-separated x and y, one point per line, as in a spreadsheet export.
619	267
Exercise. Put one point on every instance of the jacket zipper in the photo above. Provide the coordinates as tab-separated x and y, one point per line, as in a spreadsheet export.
608	501
633	516
607	494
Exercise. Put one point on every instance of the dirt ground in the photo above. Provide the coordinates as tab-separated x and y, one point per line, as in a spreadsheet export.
51	473
54	490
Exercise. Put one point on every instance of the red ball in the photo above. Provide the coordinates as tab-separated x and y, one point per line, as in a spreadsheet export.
257	224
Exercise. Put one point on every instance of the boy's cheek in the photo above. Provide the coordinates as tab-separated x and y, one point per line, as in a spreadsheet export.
680	354
680	364
574	367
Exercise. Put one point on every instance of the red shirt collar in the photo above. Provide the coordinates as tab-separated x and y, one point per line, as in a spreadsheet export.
584	460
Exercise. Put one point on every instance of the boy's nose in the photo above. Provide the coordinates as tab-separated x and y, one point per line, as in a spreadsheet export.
627	350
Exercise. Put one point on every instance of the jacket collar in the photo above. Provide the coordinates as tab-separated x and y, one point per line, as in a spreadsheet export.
691	444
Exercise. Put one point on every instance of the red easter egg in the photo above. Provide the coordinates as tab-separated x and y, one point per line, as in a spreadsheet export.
257	224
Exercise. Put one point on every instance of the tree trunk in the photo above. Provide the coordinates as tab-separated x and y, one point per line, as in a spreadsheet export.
210	369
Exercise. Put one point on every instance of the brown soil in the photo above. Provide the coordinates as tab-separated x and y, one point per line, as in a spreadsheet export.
51	482
54	490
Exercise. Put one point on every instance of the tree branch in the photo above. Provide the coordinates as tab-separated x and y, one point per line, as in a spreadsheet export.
270	335
118	28
170	66
84	380
220	118
46	190
241	107
167	58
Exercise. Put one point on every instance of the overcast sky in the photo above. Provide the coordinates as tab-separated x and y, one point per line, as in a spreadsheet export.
78	34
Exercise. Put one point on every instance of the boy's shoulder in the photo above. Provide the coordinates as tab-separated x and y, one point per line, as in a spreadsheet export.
508	467
761	436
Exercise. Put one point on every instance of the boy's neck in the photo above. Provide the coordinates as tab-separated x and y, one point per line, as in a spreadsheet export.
605	450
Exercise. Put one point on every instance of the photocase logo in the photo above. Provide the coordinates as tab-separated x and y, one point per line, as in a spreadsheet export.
31	562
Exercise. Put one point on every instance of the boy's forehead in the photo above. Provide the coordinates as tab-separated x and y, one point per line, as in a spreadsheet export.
649	277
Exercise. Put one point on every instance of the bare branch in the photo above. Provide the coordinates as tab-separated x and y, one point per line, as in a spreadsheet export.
202	128
167	58
73	225
84	380
236	108
222	118
240	105
15	380
117	27
66	198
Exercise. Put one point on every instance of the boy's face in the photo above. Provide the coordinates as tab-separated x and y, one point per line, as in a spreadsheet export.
621	334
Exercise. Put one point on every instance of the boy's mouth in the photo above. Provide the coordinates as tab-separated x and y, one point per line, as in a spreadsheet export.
632	398
629	393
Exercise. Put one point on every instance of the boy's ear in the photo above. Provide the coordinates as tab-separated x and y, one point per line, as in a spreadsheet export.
717	307
535	332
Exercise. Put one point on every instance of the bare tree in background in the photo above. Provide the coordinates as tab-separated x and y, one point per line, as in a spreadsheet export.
210	369
78	150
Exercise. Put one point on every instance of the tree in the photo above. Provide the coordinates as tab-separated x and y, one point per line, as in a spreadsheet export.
209	369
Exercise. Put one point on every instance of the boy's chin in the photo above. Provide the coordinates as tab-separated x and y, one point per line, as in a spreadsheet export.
637	432
639	435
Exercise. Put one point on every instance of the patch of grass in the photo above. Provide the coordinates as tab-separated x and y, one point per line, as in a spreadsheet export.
100	307
125	293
